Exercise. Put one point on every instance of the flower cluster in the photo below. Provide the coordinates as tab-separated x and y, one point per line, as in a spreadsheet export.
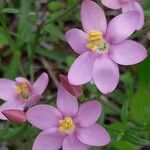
101	47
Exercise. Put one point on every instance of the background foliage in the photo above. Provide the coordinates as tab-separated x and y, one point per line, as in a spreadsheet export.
32	40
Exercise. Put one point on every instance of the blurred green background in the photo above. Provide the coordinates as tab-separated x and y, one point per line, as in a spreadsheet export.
32	40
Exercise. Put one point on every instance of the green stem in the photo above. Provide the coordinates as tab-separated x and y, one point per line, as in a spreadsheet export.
32	51
34	46
139	33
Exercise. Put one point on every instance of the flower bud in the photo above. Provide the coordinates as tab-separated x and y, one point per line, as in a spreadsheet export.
16	116
72	89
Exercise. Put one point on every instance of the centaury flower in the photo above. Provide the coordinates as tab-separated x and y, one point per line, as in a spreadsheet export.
20	93
68	126
102	47
127	5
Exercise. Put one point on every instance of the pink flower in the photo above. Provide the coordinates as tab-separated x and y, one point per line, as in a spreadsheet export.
102	47
67	126
127	5
20	93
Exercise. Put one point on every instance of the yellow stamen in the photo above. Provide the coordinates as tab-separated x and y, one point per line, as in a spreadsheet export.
66	125
95	40
23	90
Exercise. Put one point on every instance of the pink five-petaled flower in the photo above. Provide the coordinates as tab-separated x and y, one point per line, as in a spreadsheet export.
127	5
20	93
102	47
68	126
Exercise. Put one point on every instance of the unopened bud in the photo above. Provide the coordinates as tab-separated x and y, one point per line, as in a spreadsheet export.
72	89
16	116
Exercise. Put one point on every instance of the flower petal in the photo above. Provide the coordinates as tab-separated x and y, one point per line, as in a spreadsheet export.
113	4
43	116
135	6
33	99
16	104
41	84
77	40
128	52
20	80
7	90
49	139
92	16
71	142
88	113
121	27
66	103
94	135
81	70
105	74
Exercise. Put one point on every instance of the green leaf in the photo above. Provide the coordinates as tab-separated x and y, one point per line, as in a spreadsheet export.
54	31
57	56
116	131
128	80
70	59
140	106
12	133
10	10
144	73
3	38
136	140
12	69
24	30
54	5
125	107
123	145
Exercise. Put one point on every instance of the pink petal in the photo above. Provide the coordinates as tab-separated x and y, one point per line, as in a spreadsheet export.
88	113
105	74
113	4
128	52
48	140
121	27
77	40
92	16
7	90
18	105
22	80
135	6
43	116
33	100
94	135
81	70
41	84
71	142
66	103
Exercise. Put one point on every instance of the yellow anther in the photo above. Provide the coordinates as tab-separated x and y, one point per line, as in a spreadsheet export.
91	46
66	125
94	39
95	32
23	90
